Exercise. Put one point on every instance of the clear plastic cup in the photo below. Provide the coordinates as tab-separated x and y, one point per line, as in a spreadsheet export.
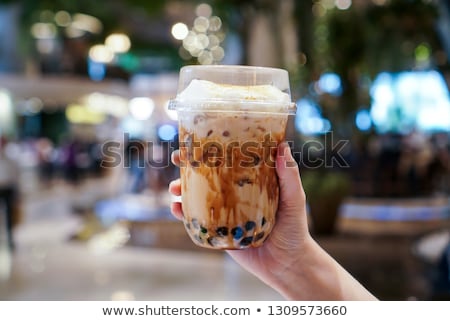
231	120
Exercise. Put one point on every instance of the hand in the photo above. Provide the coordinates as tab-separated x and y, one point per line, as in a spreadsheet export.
290	261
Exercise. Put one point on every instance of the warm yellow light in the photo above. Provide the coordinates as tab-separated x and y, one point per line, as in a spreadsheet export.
213	41
179	31
203	10
63	18
202	41
205	57
201	24
215	23
118	42
79	114
72	32
108	104
41	30
101	54
87	23
217	53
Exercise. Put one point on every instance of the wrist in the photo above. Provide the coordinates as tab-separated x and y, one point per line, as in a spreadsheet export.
297	279
315	275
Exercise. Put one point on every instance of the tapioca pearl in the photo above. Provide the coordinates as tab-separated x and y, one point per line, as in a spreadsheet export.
195	223
209	132
198	238
259	236
222	231
237	232
250	225
226	133
246	241
211	241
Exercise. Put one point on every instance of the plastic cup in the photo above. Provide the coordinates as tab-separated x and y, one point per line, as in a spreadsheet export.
231	120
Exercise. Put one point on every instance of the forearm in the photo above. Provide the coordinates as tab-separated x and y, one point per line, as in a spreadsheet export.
317	276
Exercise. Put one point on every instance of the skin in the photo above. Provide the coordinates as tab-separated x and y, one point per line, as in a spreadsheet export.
290	260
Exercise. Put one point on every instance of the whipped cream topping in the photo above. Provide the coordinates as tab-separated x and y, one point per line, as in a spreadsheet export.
203	90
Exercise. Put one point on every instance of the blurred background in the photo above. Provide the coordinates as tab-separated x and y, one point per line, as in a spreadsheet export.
84	82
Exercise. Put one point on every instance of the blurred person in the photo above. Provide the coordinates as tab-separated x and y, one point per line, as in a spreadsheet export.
70	150
45	154
9	174
160	171
291	261
440	169
414	164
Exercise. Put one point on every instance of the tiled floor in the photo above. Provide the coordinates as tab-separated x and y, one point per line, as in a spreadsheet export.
49	265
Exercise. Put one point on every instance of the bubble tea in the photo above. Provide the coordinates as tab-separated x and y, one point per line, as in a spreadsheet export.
231	120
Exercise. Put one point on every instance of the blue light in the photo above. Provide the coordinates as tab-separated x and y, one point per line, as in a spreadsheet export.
133	127
167	132
330	83
308	119
405	101
96	70
363	120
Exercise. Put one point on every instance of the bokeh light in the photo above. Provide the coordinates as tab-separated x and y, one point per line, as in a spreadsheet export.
204	40
118	42
343	4
43	30
179	31
167	132
101	53
330	83
363	120
63	18
203	10
141	108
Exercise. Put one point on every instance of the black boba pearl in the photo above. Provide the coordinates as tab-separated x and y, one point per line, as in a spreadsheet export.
203	229
237	232
259	236
210	240
250	225
263	221
222	231
198	238
246	241
195	223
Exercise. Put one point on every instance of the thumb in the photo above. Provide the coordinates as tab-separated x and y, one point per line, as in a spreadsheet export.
292	194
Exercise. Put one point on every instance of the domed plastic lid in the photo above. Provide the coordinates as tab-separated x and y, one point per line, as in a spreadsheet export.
233	88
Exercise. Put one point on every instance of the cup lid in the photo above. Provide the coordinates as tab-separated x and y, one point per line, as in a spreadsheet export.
259	89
